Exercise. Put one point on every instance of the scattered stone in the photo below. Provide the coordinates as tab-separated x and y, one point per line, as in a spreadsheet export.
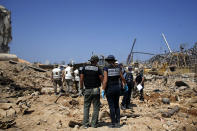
183	88
73	102
181	83
4	101
6	123
104	114
157	90
193	100
72	124
2	113
47	90
123	118
11	113
166	100
76	127
35	93
59	124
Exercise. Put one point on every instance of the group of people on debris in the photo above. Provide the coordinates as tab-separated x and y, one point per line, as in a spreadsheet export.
67	77
113	80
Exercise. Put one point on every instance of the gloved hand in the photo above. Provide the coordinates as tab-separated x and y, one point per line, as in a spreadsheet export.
103	94
125	88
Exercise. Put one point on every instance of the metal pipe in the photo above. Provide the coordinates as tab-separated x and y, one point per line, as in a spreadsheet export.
144	53
166	43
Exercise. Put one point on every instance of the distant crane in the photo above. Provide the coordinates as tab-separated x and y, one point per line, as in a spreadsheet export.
130	56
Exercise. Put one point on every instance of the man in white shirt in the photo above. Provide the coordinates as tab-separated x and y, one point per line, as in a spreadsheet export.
68	78
56	78
76	74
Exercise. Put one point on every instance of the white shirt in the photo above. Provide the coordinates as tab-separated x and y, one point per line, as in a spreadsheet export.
68	72
57	73
76	72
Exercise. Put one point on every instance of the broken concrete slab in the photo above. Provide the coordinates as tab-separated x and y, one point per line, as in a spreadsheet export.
11	113
170	112
6	106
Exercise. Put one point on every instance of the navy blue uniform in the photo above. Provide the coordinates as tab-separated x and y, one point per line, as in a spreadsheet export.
127	96
113	92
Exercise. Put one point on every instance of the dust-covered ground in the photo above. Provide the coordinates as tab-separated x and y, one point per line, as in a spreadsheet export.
27	103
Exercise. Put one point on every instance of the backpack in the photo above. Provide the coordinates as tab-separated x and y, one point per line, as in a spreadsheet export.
129	78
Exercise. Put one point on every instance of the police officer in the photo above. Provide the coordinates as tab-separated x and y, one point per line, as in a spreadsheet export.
111	87
56	78
91	77
140	80
127	95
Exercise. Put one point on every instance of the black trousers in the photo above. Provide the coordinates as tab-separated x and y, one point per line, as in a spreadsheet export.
113	95
127	96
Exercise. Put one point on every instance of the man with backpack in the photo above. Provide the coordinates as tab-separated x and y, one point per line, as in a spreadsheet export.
127	95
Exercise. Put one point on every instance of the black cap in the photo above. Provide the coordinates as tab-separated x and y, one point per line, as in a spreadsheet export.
94	58
110	58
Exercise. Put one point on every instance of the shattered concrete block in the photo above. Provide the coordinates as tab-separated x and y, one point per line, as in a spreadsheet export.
2	113
47	90
11	112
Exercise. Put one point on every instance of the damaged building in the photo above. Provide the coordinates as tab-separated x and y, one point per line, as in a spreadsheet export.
5	29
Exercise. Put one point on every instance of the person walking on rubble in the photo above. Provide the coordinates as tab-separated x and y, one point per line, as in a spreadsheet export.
68	78
139	80
111	87
56	78
80	89
91	77
127	95
76	75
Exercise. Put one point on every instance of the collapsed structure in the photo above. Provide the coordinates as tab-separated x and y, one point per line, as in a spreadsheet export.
5	29
184	61
27	103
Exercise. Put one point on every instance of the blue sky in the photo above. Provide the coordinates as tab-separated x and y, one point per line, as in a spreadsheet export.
57	30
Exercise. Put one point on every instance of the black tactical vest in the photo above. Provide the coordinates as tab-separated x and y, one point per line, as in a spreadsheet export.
129	78
113	75
91	77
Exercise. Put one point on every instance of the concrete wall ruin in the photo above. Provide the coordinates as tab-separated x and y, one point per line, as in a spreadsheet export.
5	30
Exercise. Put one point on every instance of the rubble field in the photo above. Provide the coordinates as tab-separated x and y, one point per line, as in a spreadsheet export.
27	103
